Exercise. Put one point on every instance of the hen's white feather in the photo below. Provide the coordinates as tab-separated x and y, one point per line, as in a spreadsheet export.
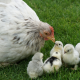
17	19
5	1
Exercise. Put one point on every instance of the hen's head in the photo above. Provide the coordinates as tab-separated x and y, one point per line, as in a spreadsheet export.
47	32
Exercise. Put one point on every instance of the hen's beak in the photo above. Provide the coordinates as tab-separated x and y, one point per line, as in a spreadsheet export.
51	38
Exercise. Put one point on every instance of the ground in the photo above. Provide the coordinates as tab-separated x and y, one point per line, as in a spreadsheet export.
64	16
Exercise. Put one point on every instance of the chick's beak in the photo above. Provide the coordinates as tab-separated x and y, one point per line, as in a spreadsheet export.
64	52
56	44
51	38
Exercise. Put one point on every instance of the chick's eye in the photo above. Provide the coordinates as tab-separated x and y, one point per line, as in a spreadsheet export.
59	44
56	52
67	50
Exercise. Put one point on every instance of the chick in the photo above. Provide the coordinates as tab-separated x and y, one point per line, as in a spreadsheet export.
58	47
52	63
71	56
77	47
34	68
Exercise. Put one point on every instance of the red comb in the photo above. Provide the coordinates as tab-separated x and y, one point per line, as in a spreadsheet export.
51	28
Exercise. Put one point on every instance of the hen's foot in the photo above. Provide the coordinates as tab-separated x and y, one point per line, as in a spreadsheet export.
4	64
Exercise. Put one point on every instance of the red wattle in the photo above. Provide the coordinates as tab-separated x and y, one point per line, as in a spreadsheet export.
46	39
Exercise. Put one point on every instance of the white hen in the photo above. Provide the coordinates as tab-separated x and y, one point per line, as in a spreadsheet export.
71	56
21	31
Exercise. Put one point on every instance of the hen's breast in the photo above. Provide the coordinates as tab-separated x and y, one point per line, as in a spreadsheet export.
19	45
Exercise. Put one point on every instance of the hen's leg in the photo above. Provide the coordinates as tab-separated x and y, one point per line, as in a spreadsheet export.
4	64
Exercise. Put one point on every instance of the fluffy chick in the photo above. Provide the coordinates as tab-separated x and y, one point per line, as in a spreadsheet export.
71	56
77	48
58	47
52	63
34	68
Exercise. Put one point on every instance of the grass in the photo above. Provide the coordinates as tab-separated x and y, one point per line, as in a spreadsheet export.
64	16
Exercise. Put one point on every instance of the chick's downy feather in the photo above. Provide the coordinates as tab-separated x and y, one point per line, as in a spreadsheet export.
20	30
70	56
58	47
52	63
77	47
34	68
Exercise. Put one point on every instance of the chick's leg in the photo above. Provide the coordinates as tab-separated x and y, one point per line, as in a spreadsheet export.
75	67
56	67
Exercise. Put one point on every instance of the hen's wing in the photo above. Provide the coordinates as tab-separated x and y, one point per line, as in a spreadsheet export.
13	16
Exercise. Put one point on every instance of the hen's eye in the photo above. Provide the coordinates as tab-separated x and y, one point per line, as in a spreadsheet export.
59	44
46	33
